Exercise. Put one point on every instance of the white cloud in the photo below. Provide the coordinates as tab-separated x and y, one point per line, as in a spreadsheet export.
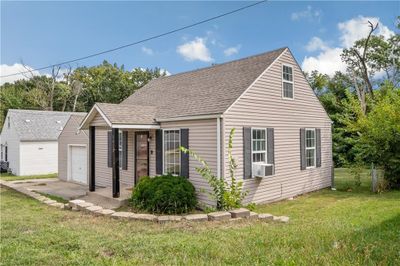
12	69
358	28
147	50
195	50
232	50
167	73
309	14
316	44
328	61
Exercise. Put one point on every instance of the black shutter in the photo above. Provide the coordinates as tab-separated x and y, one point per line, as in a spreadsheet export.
247	152
303	162
109	149
159	155
318	146
184	156
271	149
124	159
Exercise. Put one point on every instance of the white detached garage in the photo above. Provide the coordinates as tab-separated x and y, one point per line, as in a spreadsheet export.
29	140
73	146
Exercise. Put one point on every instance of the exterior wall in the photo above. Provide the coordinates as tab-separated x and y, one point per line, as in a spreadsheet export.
69	135
98	121
10	136
127	177
203	141
38	157
262	106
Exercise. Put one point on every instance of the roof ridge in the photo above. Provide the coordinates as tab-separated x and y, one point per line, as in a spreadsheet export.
224	63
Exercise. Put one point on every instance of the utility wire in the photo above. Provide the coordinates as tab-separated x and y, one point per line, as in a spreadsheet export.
138	42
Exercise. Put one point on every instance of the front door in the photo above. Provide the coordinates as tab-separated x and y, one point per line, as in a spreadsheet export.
141	155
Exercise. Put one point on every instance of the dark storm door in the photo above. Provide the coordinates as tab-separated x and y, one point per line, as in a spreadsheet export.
141	155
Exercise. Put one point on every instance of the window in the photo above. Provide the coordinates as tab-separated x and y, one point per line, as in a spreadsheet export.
172	154
310	148
8	122
287	81
120	148
259	142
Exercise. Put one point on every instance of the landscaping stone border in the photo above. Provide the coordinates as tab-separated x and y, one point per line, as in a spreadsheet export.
88	207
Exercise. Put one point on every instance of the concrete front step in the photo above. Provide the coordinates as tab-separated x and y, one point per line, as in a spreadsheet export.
105	201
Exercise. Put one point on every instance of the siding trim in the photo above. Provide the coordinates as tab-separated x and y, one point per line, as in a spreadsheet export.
256	80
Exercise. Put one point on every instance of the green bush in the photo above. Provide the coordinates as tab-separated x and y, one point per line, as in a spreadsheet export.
165	194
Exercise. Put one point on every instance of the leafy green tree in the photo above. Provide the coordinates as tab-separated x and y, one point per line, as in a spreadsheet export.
379	134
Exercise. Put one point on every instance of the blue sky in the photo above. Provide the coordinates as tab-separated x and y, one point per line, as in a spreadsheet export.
43	33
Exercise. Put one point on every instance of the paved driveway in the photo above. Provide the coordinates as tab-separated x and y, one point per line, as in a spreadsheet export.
54	187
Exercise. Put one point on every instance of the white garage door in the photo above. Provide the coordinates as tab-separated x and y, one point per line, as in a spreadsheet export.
78	164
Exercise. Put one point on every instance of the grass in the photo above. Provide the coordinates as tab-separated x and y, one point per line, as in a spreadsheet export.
326	228
11	177
53	197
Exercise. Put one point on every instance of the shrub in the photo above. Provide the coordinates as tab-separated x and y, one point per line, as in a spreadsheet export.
227	194
165	194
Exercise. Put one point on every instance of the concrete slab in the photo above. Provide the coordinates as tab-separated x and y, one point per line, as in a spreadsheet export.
106	212
265	216
93	208
103	197
196	217
169	218
219	216
82	206
53	186
143	217
240	213
122	215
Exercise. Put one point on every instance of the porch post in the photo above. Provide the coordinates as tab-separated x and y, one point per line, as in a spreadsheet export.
115	162
92	152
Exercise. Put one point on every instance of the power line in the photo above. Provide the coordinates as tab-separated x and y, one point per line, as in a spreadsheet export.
138	42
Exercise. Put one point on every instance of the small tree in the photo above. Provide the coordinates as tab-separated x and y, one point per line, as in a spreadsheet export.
228	195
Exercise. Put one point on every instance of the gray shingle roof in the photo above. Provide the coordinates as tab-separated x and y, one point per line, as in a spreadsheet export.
205	91
39	125
128	114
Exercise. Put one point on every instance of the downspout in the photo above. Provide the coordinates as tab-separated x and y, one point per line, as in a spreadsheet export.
218	146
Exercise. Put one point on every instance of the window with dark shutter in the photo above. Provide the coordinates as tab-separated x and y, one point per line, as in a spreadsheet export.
159	151
303	162
124	164
247	171
184	156
318	147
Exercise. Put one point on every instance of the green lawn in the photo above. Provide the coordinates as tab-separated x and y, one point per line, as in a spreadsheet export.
326	228
11	177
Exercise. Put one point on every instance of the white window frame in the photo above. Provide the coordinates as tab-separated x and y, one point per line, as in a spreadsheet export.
266	148
311	148
163	149
287	81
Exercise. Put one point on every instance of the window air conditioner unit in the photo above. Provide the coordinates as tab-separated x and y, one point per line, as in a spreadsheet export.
262	170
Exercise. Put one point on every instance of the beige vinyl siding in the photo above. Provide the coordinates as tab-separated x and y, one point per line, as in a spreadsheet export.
203	141
69	135
98	121
262	106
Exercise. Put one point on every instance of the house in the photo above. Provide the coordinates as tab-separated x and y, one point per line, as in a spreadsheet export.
282	143
73	151
29	141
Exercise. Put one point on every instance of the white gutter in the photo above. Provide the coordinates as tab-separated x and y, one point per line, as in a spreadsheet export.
185	118
135	126
218	147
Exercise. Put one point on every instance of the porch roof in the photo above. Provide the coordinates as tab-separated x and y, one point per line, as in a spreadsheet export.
123	116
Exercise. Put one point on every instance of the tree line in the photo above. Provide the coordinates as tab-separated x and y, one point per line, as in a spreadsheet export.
74	90
364	104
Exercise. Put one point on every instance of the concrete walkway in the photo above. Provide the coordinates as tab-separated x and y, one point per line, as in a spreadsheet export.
53	186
